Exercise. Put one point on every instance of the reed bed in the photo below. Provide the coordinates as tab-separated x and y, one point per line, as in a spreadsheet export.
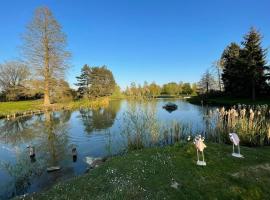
142	128
251	123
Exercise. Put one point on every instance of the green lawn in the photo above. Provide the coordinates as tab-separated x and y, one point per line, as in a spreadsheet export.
7	108
149	173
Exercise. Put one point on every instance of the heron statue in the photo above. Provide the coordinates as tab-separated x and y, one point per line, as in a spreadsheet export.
199	144
235	140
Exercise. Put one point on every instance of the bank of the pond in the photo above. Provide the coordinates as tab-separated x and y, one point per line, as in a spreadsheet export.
226	101
18	108
172	173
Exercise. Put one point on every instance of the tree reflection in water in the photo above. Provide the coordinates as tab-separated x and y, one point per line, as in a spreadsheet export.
99	119
48	134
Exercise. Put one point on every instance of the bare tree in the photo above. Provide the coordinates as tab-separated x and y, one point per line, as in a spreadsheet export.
44	49
218	67
12	75
207	82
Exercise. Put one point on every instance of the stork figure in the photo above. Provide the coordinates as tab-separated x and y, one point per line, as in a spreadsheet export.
199	144
235	140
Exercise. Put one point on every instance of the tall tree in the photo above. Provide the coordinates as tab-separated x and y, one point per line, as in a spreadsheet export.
218	66
45	49
232	74
244	71
254	58
84	81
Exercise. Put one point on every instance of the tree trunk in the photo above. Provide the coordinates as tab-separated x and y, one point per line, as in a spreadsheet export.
219	80
253	90
47	101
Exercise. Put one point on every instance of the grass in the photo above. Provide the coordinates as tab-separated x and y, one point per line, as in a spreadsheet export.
149	173
10	108
228	101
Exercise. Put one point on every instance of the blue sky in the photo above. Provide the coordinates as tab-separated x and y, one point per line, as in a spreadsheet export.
152	40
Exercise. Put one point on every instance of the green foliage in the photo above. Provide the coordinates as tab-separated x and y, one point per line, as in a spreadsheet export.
154	89
95	82
170	89
186	89
102	82
244	67
83	81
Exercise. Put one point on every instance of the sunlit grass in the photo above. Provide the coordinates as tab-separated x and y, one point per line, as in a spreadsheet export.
149	173
7	108
10	108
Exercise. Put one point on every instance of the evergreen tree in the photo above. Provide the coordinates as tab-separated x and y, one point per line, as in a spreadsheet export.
232	70
244	71
254	59
84	81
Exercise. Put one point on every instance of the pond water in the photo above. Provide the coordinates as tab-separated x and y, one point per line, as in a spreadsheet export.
95	133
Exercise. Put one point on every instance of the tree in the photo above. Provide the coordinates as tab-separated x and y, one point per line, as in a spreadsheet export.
61	92
84	81
207	82
245	68
154	89
254	57
44	48
102	82
232	75
194	88
117	91
218	66
186	89
13	75
170	88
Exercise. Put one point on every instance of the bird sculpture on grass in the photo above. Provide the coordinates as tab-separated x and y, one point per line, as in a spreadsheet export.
236	142
200	146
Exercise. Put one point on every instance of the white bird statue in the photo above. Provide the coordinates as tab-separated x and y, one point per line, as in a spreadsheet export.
235	140
199	144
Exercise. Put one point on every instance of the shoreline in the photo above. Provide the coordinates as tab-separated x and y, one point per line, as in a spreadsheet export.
172	171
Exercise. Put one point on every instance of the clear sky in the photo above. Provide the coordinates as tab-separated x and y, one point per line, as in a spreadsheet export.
152	40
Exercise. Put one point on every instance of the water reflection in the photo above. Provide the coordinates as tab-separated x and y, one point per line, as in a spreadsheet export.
15	131
48	134
99	119
91	132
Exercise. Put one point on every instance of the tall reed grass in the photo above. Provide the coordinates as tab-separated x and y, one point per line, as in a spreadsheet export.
142	128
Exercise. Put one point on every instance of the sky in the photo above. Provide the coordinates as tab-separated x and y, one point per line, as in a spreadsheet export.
140	40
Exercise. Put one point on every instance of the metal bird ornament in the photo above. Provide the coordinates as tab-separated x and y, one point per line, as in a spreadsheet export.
235	140
199	144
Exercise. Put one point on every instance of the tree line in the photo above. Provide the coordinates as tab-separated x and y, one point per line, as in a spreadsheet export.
154	90
242	70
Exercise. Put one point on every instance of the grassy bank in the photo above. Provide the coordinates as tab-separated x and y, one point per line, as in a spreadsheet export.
20	107
149	174
227	101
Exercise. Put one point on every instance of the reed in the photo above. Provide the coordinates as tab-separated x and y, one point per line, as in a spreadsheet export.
251	123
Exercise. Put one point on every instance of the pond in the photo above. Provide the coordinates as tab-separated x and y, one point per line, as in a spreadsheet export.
95	133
